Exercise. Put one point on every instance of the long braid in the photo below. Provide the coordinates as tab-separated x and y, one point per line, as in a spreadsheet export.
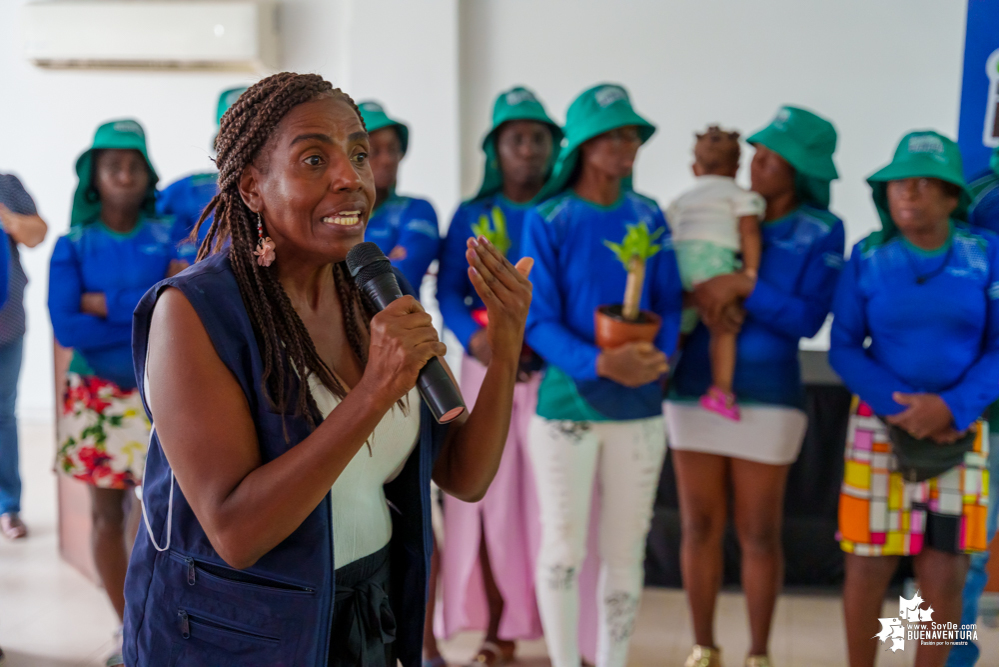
283	338
351	304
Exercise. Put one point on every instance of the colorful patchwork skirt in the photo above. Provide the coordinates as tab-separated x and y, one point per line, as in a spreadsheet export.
882	514
103	433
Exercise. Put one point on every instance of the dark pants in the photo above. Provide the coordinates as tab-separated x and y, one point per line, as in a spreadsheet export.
10	478
363	622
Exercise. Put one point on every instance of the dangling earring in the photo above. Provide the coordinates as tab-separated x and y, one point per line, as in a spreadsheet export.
265	246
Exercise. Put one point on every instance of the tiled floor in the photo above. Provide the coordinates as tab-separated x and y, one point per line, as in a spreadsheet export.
51	616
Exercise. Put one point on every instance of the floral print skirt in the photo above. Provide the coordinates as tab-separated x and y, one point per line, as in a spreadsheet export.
103	433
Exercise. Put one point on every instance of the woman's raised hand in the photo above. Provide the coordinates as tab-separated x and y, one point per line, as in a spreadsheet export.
506	291
403	340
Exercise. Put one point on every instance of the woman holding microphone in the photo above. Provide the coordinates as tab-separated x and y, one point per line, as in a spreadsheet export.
287	492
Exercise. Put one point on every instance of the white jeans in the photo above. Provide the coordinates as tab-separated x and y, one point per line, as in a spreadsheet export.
628	457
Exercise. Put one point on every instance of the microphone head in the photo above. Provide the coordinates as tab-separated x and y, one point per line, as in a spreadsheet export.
362	255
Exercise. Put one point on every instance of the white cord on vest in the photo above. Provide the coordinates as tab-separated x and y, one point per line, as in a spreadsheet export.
142	502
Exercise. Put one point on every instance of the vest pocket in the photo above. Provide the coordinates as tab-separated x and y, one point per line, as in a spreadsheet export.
209	573
208	641
205	628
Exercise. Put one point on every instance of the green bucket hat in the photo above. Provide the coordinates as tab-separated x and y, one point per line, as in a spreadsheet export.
518	103
124	134
599	109
375	118
226	99
921	154
807	141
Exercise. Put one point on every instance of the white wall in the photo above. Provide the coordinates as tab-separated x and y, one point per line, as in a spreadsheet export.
876	69
47	118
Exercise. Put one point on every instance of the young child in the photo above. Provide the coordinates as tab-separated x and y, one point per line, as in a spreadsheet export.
713	224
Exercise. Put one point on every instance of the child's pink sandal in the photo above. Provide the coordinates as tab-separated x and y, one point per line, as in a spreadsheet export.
722	403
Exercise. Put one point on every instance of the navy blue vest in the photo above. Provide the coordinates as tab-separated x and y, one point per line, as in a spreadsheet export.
183	604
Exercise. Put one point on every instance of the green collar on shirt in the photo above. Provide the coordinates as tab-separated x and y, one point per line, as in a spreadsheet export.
140	223
592	204
935	252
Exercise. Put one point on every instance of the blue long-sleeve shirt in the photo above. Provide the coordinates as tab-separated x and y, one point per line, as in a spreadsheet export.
184	200
456	296
574	274
123	267
800	265
411	223
940	337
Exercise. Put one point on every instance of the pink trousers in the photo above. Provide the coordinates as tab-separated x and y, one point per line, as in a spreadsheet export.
508	519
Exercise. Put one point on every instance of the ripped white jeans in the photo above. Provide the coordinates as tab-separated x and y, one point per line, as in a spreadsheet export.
628	457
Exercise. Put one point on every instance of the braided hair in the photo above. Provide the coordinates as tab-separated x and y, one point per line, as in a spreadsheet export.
281	334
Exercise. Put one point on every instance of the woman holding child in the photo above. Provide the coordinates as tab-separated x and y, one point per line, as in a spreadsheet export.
745	456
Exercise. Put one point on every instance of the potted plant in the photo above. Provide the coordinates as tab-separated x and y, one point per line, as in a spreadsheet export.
618	324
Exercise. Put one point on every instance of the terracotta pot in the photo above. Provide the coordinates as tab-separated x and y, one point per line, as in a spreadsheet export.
611	330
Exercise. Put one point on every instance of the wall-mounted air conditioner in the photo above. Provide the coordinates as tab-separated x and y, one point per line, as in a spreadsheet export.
152	34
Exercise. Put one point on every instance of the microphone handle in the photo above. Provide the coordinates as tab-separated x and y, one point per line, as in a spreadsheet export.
434	384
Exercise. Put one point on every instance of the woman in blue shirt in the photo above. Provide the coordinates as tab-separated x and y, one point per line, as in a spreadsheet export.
599	411
405	228
287	491
721	463
499	533
116	250
916	338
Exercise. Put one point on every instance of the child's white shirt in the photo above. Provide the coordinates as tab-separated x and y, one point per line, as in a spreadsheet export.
710	211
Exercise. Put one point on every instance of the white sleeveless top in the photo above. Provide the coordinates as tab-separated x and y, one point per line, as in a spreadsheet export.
361	521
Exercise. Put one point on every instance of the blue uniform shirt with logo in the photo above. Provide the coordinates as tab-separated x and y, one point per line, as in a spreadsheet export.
184	200
409	223
92	258
940	336
574	274
456	296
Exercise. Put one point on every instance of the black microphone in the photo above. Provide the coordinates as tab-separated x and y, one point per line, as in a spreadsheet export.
372	272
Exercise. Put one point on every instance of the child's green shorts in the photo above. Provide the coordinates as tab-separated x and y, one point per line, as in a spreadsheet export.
700	261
